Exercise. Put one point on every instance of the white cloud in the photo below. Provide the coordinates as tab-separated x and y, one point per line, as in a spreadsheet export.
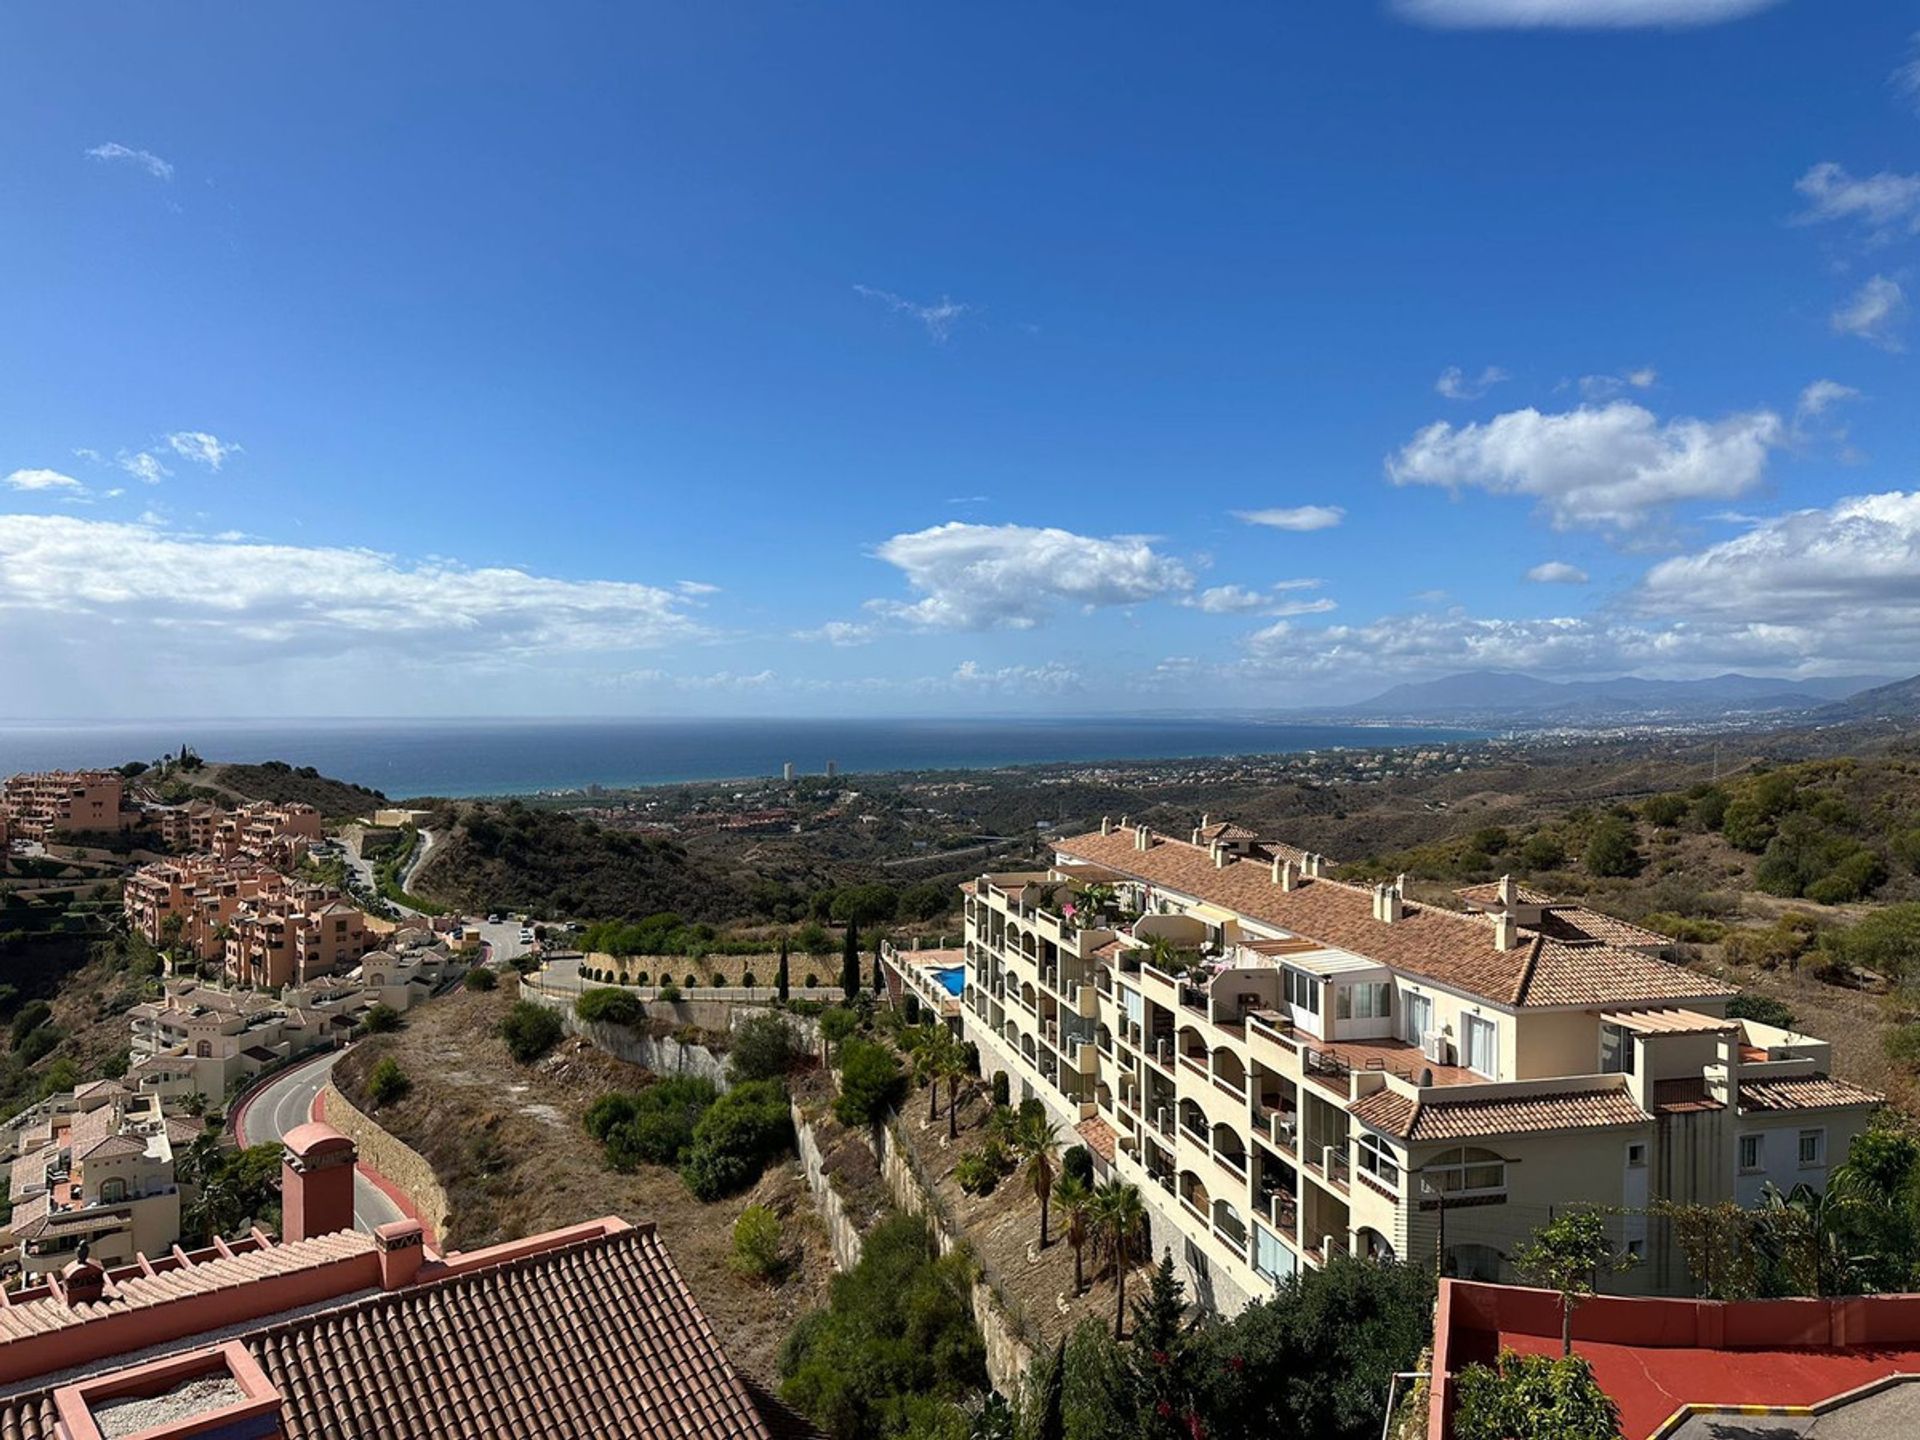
1240	600
1575	14
978	577
1605	387
145	159
1051	678
1821	396
1299	517
229	601
142	466
202	448
938	317
840	632
1609	466
1456	384
696	589
43	480
1881	202
1906	79
1557	572
1875	313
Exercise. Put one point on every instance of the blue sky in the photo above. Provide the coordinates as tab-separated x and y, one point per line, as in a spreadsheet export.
637	359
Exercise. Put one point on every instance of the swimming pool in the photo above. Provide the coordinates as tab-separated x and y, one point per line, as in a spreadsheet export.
953	979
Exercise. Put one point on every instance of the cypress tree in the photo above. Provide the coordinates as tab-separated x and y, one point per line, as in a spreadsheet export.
781	980
850	963
879	975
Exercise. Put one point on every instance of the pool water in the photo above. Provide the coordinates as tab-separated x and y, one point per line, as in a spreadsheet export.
954	979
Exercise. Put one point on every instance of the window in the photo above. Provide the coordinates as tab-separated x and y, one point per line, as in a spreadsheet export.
113	1191
1467	1171
1483	1046
1369	1000
1813	1149
1616	1050
1303	991
1378	1160
1636	1249
1753	1154
1637	1155
1419	1009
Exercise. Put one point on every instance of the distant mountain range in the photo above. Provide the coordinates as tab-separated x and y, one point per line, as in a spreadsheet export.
1899	700
1507	697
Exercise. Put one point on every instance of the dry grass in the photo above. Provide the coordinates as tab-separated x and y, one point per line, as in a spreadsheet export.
507	1143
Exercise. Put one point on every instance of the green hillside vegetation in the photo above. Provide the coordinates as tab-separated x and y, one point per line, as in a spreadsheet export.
176	781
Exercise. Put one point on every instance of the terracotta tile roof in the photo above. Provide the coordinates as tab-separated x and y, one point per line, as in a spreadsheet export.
1489	894
596	1337
1577	922
1803	1092
1684	1096
1393	1114
1225	830
1099	1137
112	1147
1442	945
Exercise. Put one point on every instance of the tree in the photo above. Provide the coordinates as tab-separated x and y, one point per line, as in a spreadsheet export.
381	1019
1163	1362
850	962
1052	1421
1119	1219
782	979
879	970
387	1082
609	1006
1036	1144
1534	1396
1611	850
870	1083
924	1045
764	1048
1569	1254
954	1064
1074	1198
482	979
756	1244
1886	942
836	1025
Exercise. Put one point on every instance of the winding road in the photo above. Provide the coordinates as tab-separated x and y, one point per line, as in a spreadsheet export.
287	1102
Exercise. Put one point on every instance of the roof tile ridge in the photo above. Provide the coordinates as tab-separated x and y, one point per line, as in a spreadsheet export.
1524	981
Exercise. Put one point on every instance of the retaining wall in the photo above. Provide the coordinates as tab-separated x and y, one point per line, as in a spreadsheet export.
401	1163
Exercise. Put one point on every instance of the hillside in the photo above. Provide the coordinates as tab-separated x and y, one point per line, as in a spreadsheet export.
1517	697
281	783
1899	702
512	857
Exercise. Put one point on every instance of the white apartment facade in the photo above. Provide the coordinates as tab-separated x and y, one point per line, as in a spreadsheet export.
1290	1066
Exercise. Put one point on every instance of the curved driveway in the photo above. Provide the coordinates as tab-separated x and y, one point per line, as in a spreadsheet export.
287	1101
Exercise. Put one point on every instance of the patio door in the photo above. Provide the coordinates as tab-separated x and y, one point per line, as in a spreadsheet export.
1419	1017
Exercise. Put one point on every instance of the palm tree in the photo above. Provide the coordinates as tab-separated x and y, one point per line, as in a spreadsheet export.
1118	1218
950	1065
927	1064
1036	1144
1074	1197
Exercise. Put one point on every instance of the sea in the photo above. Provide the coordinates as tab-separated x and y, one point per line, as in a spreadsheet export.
463	758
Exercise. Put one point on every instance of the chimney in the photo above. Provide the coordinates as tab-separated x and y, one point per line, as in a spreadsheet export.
1283	873
1507	889
1106	824
1386	903
1219	855
1506	931
316	1182
84	1281
402	1245
1205	820
1194	839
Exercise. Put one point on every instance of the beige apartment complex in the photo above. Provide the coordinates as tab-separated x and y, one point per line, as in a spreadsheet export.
62	802
264	928
1291	1066
98	1169
279	834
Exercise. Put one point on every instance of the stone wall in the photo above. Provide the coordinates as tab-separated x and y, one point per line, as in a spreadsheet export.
842	1233
665	1055
400	1163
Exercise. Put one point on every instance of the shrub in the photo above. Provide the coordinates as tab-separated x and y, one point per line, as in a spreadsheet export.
1543	1397
871	1083
1903	1045
381	1019
387	1082
976	1173
481	978
670	993
654	1127
910	1008
1746	826
1543	851
764	1048
1709	807
756	1243
1763	1009
1665	811
609	1007
1610	851
1887	941
530	1031
1002	1089
749	980
740	1132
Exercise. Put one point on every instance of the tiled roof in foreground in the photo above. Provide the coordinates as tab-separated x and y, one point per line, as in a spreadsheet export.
1393	1114
1445	946
595	1336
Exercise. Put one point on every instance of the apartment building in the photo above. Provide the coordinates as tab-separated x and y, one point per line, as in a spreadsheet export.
1291	1066
99	1171
206	894
293	936
257	830
56	803
205	1039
